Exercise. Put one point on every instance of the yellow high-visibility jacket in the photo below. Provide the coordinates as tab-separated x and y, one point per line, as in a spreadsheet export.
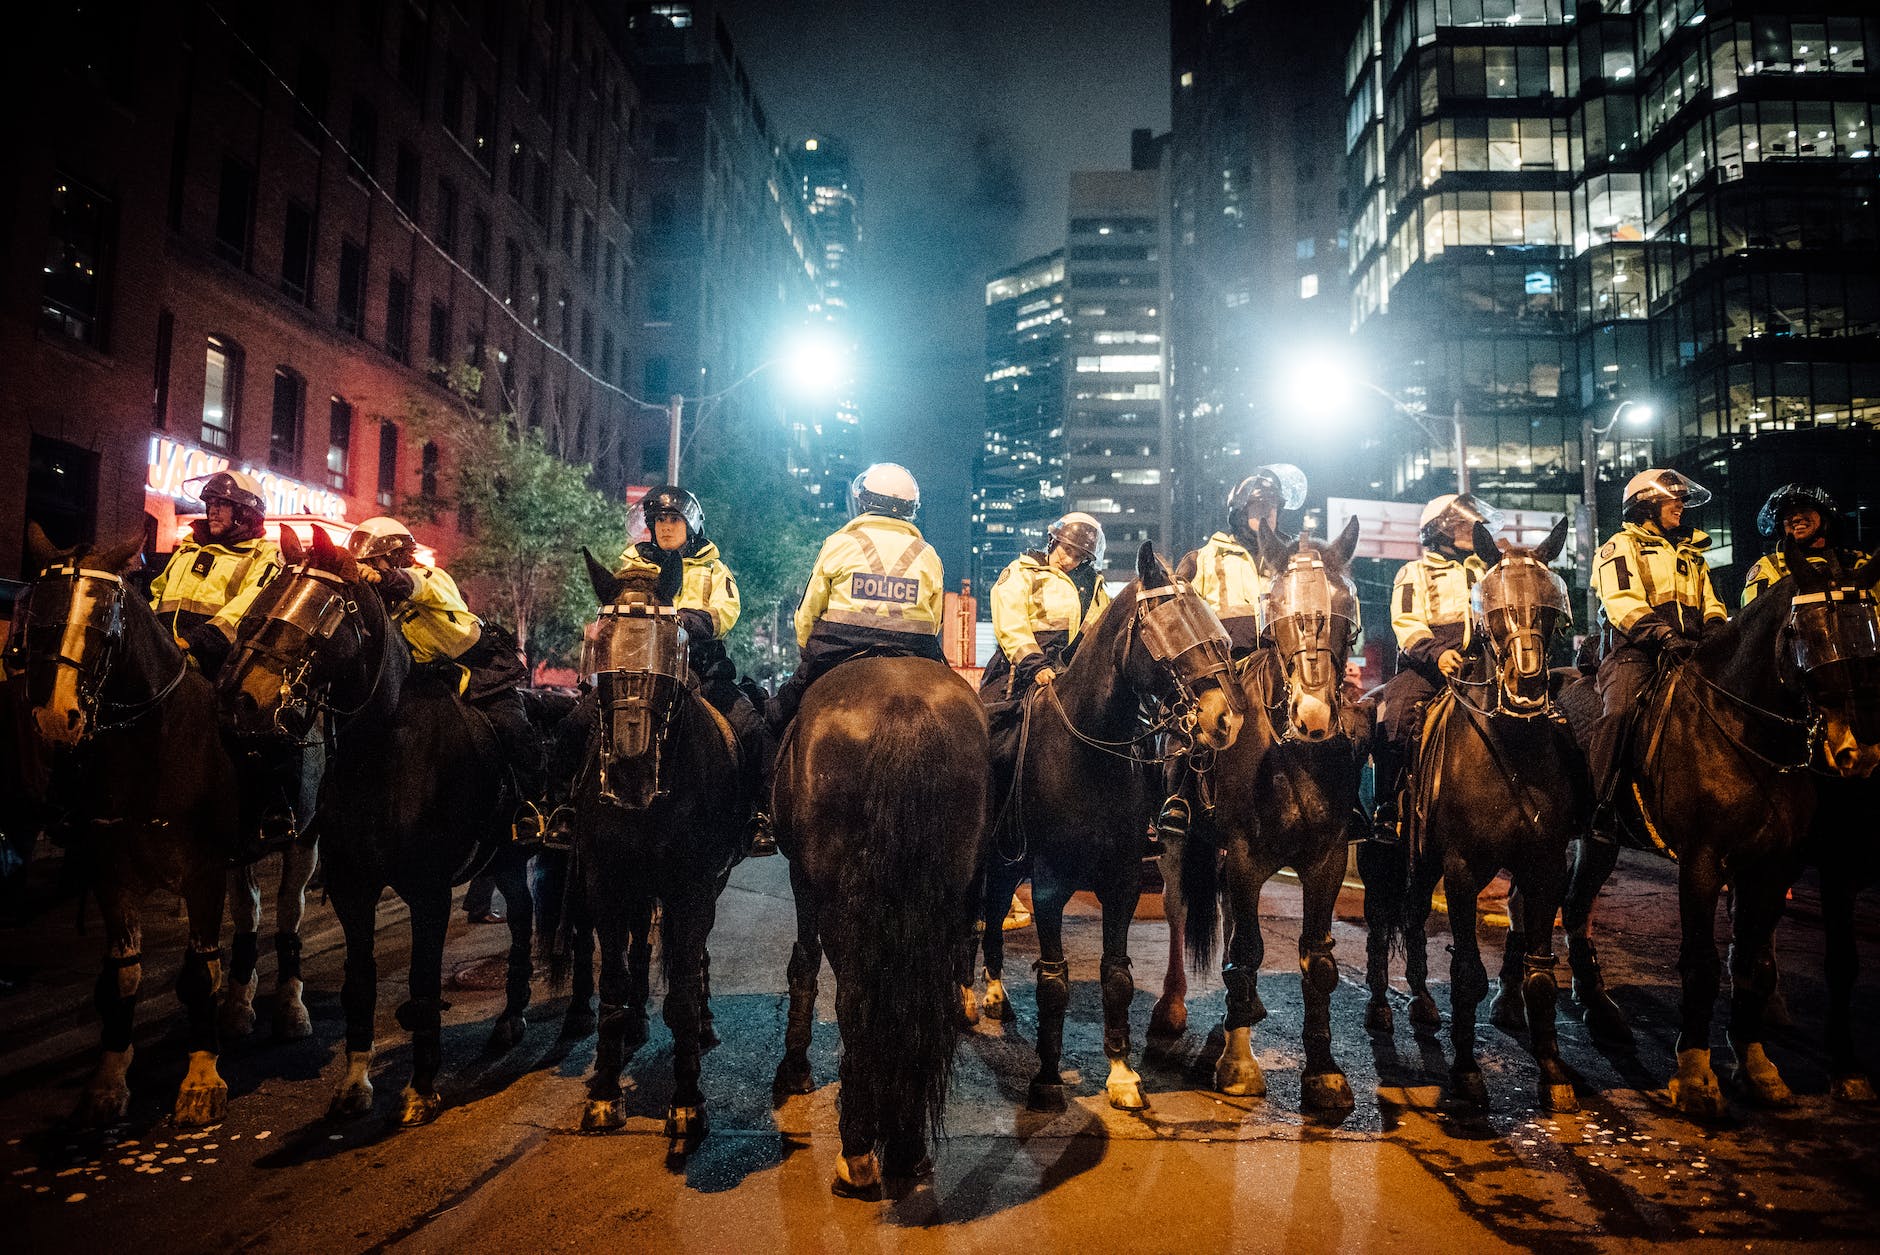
211	582
706	584
1772	567
878	573
1032	596
1641	570
1429	606
1230	579
436	622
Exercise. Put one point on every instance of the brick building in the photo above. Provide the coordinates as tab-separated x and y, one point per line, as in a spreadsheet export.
259	233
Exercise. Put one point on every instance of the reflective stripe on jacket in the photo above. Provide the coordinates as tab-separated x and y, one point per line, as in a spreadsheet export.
213	582
706	585
1773	567
1429	605
1229	579
1032	596
1641	570
877	572
436	622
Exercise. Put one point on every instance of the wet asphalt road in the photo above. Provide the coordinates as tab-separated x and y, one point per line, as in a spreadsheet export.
503	1168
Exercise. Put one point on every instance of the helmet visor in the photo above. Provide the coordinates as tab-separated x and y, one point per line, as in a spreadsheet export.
1669	485
1467	508
1287	484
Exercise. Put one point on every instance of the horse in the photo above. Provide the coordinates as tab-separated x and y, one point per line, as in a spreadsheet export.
413	798
1717	762
880	796
299	860
1501	785
1079	794
660	818
1283	797
155	807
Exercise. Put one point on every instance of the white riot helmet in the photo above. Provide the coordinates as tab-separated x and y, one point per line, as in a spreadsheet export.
1645	491
382	537
1442	514
1081	534
884	488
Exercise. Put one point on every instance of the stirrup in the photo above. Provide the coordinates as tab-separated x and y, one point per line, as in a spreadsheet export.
1386	827
558	829
1172	822
763	840
528	824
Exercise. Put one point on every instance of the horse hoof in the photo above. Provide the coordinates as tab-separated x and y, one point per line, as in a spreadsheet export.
1240	1080
291	1022
794	1077
1776	1011
1045	1096
919	1170
1326	1091
197	1105
1694	1090
1604	1020
353	1100
1508	1012
1378	1018
577	1024
505	1034
685	1127
1469	1087
1423	1012
968	1008
1855	1087
415	1108
602	1115
100	1108
237	1019
997	1007
1168	1022
1558	1097
1126	1095
857	1176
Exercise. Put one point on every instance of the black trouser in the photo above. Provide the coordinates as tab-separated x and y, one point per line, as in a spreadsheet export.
830	645
1623	672
1406	700
270	777
521	744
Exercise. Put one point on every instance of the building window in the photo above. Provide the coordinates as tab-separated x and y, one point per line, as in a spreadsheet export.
587	340
566	308
427	471
659	300
338	442
453	97
290	403
518	168
310	89
512	271
362	140
480	247
589	252
439	343
1308	286
398	317
352	287
411	50
538	202
221	394
567	226
388	463
160	375
405	182
447	216
540	308
656	378
483	130
72	300
297	253
234	214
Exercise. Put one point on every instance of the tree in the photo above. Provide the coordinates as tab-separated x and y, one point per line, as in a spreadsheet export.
528	514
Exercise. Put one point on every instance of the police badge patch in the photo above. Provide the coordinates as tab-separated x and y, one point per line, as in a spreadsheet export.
1605	550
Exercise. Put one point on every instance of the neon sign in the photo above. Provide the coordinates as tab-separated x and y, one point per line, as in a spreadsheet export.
174	464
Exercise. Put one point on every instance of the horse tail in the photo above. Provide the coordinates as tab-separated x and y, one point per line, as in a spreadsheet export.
567	926
1200	862
902	915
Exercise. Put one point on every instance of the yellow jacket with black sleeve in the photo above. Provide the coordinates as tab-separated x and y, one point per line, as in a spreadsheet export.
1646	579
1430	612
707	589
1032	598
876	574
1773	567
1230	578
204	577
431	612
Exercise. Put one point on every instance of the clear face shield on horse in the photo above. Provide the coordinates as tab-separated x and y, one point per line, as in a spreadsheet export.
1184	638
636	662
268	683
1311	617
67	630
1833	640
1519	605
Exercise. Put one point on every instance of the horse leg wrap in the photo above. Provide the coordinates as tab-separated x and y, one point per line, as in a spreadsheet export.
1244	1009
115	995
244	951
286	956
422	1015
610	1053
1054	987
1119	990
196	987
1538	991
1317	966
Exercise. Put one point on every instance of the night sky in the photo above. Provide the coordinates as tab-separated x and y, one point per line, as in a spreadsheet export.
964	120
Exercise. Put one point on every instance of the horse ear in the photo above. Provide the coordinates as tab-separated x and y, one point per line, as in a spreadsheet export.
1867	574
606	584
122	558
292	550
1347	543
324	552
1274	551
1808	578
1151	571
1485	547
1555	542
40	551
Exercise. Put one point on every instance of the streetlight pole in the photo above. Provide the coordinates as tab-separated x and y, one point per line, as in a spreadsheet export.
1589	494
1436	436
675	411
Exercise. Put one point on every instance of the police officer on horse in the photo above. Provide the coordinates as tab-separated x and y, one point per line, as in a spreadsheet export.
1806	517
1042	603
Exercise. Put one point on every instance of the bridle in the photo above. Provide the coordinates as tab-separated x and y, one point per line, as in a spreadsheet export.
313	604
637	666
1528	632
107	594
1298	616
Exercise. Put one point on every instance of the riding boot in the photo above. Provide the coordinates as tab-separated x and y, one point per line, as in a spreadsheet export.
1387	761
1172	822
521	747
756	751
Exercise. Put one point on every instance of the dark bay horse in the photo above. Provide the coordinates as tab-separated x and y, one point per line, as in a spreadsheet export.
1283	796
880	799
1077	794
414	797
1500	783
660	818
155	802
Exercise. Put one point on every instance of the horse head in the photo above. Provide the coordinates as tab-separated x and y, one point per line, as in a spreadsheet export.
312	627
69	630
1310	616
1519	606
635	660
1833	652
1177	651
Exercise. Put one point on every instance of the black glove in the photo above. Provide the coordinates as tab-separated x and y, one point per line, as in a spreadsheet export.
1677	648
1653	633
208	646
697	624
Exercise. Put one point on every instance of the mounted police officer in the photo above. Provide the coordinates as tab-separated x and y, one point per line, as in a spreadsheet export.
1805	516
1430	616
212	577
1042	603
449	642
877	588
1657	601
1229	574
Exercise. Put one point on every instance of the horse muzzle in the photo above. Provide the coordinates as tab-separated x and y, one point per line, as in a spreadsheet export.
1846	752
1312	717
1217	723
61	724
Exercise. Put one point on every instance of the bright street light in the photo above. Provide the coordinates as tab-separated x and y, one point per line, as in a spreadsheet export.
1324	383
815	362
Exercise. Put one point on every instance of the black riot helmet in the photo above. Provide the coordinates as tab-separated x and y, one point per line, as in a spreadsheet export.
1789	498
672	501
